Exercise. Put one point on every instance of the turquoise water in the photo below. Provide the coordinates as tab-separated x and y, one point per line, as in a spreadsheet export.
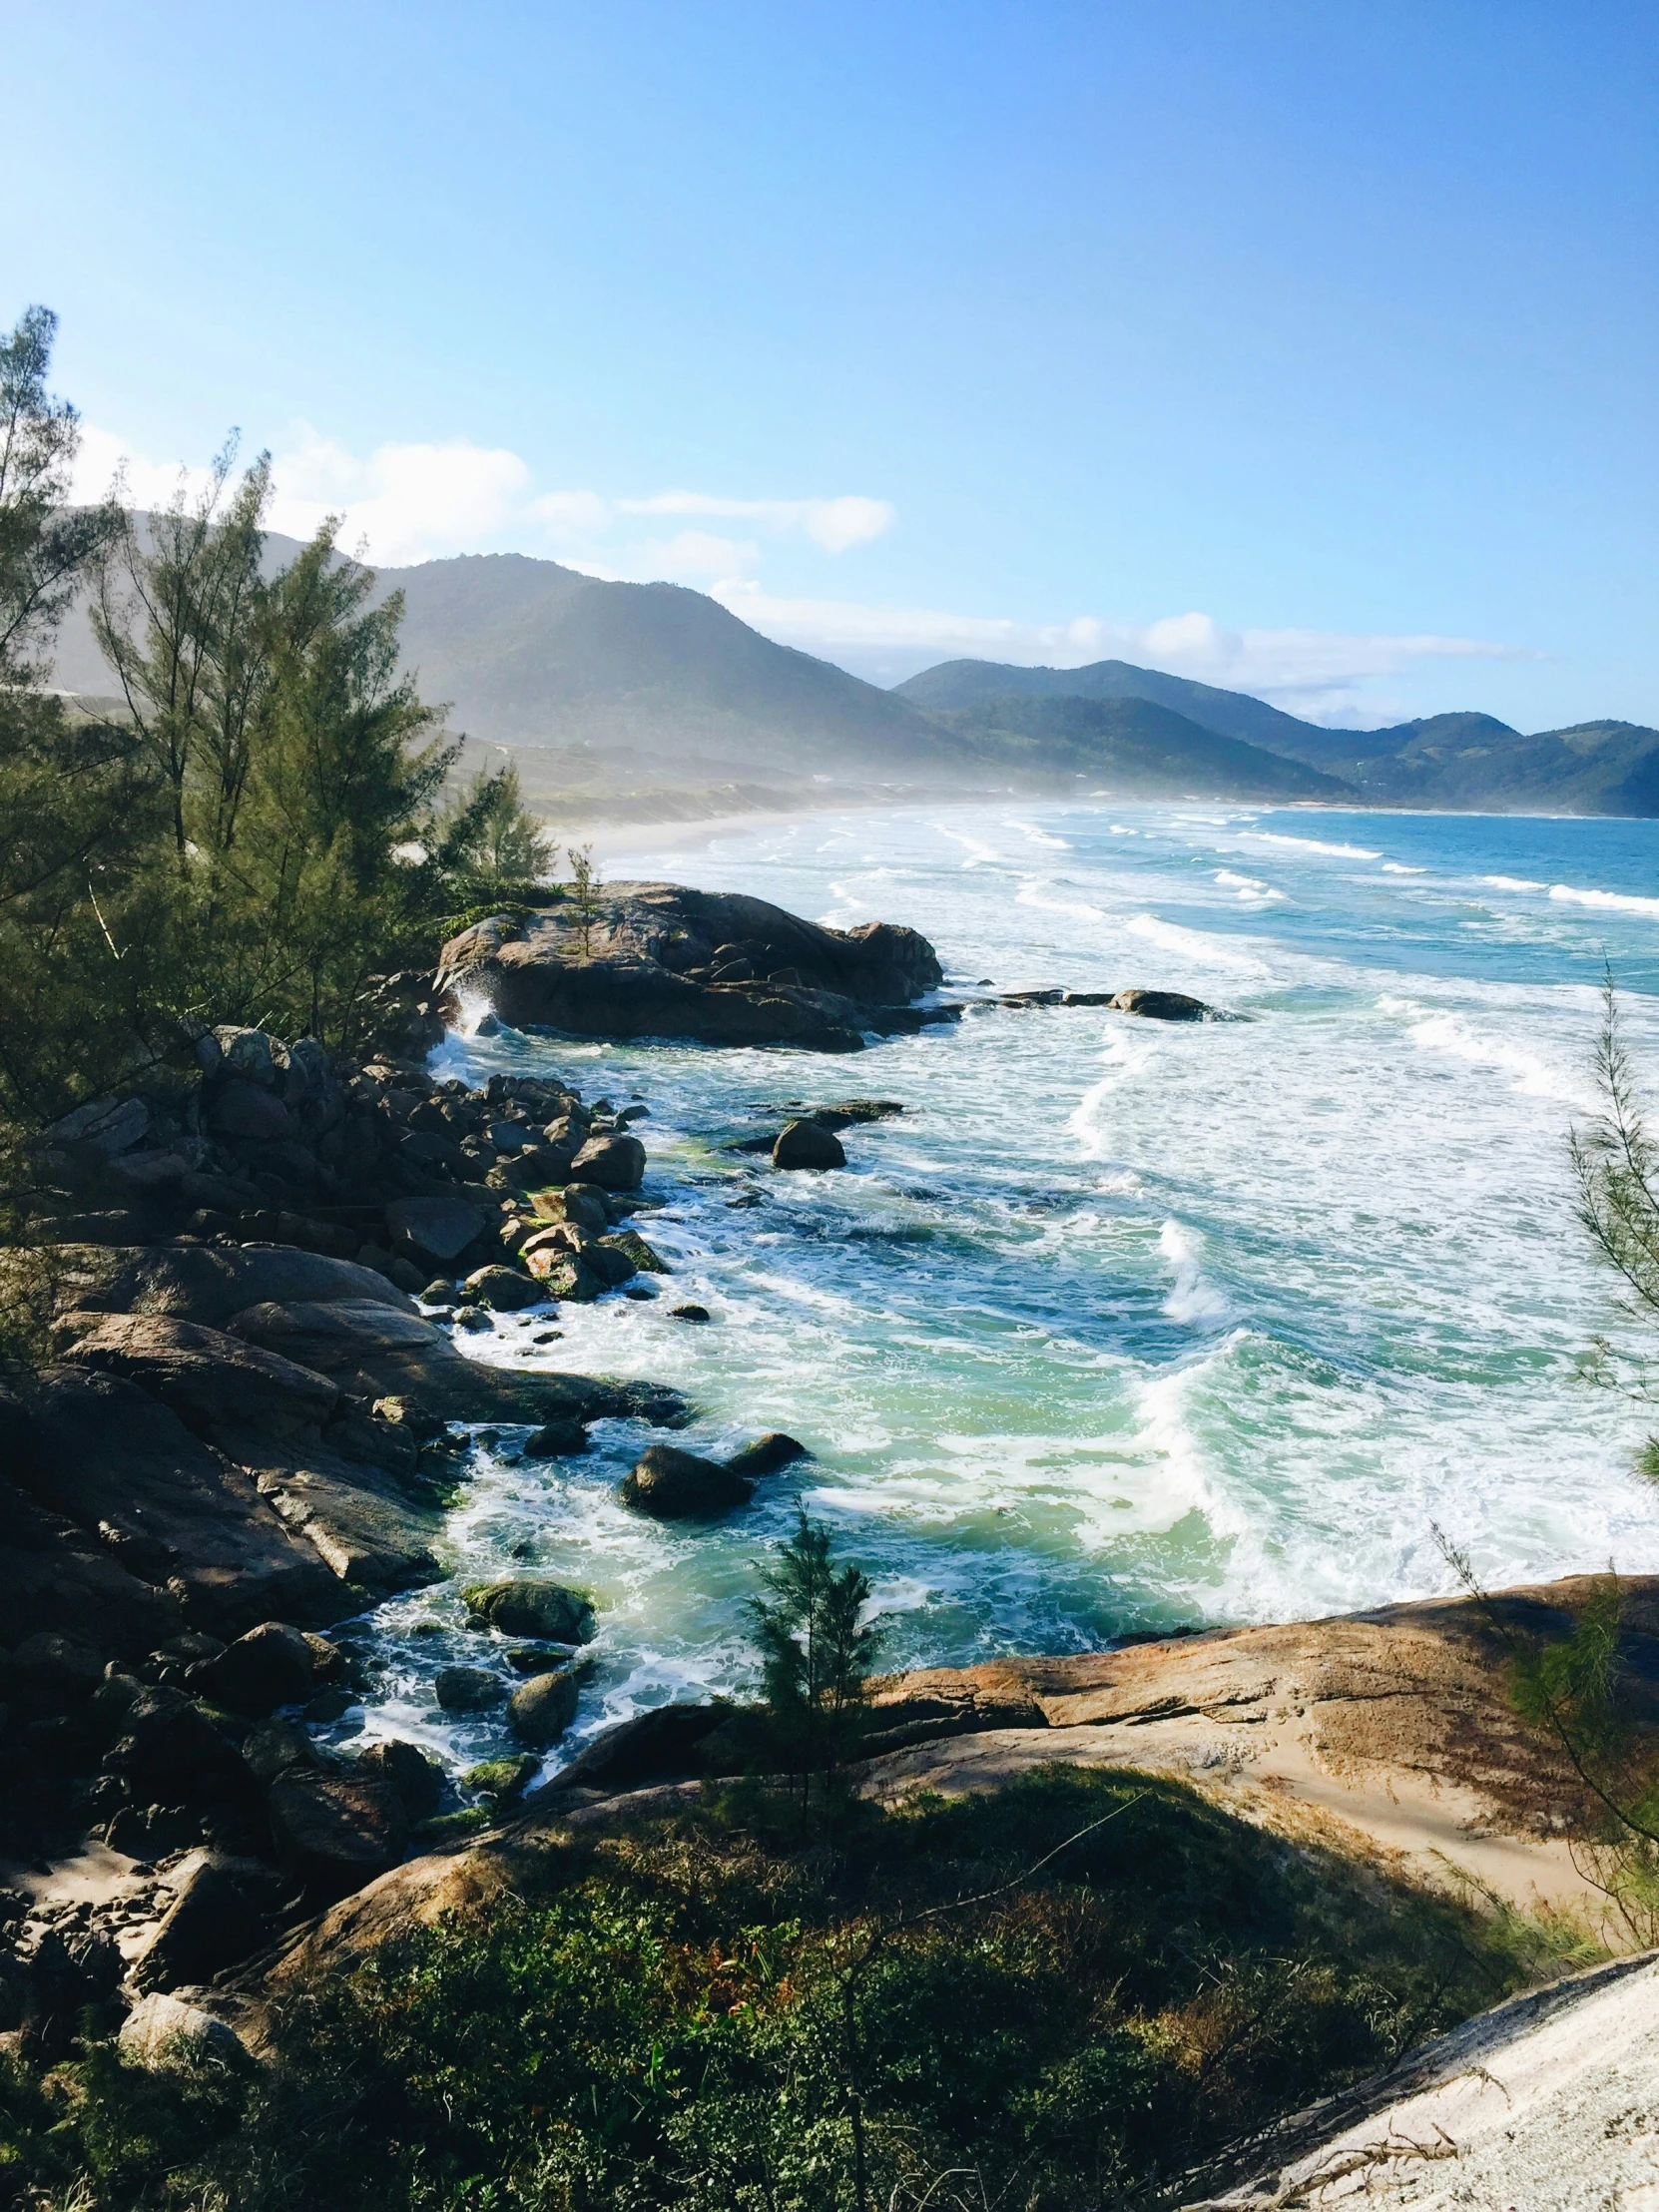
1122	1325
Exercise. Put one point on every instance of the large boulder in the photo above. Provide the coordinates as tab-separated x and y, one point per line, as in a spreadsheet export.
212	1921
209	1282
217	1384
374	1352
540	1712
677	1486
615	1163
434	1230
164	1519
271	1665
668	962
1160	1005
169	1750
805	1144
337	1830
415	1780
163	2032
767	1454
468	1689
531	1605
503	1290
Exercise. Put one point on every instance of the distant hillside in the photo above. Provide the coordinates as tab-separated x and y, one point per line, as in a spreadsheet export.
530	654
1137	749
656	698
1458	760
1234	713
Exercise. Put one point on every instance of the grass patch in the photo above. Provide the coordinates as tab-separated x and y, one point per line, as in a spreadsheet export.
707	2016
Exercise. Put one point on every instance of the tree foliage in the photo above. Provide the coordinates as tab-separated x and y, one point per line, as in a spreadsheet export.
259	826
816	1653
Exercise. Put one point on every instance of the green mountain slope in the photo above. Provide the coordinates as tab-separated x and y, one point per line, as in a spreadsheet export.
1459	760
1134	748
534	654
956	683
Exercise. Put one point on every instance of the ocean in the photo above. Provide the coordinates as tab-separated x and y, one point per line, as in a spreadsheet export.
1122	1326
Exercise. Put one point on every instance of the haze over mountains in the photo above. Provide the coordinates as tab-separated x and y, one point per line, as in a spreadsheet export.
644	701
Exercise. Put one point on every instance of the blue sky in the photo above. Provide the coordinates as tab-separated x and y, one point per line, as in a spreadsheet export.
1306	349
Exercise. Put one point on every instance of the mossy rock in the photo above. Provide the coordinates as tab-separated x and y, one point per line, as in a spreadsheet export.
501	1778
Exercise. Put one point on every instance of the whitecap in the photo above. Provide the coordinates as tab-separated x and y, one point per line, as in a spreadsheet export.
1533	1076
1249	888
1623	902
1513	883
1194	945
1399	868
1312	844
1194	1298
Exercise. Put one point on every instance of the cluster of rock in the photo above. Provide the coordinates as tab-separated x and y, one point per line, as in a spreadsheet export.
660	960
235	1821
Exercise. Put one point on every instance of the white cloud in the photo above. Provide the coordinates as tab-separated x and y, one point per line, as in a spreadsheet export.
835	524
404	503
1308	672
414	502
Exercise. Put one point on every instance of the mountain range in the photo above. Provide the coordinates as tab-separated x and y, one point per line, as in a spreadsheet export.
644	699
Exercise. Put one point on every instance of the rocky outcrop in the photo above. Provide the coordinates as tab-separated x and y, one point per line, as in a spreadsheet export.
665	961
668	1484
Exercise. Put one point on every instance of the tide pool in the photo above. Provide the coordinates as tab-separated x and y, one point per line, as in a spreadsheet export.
1122	1326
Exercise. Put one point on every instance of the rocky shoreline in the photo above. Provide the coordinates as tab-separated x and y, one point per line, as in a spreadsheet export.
261	1264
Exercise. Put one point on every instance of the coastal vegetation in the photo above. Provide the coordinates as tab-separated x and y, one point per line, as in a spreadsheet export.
257	821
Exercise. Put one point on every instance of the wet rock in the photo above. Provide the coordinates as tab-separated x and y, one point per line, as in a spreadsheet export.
467	1689
436	1230
531	1605
544	1708
416	1780
539	1658
659	1746
503	1779
634	1249
846	1112
163	2032
336	1830
580	1203
1160	1005
502	1289
610	1261
565	1275
472	1319
804	1144
766	1455
211	1922
271	1665
275	1746
440	1292
556	1439
650	970
677	1486
689	1312
615	1163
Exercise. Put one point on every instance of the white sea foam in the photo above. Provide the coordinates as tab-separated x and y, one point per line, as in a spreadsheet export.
1196	945
1402	867
1454	1033
1249	888
1117	1323
1194	1300
1622	903
1513	883
1312	844
1030	830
